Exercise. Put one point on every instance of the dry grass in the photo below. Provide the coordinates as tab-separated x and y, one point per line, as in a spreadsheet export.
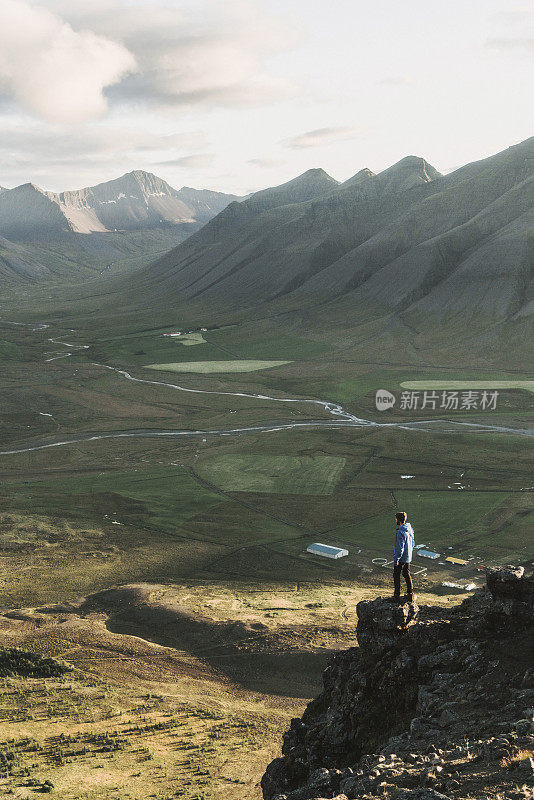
189	699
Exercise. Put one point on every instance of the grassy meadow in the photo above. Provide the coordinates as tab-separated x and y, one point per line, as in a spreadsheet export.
207	367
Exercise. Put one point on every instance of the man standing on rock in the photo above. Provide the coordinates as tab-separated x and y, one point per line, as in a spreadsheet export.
402	556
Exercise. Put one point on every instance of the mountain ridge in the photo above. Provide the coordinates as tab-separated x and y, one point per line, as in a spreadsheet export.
383	242
133	201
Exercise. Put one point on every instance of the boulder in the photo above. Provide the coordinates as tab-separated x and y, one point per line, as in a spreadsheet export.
509	583
382	623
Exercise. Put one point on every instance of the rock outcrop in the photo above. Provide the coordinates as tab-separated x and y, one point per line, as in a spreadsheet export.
434	703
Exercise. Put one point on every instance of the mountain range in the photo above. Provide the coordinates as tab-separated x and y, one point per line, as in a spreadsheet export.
407	241
401	257
135	201
131	219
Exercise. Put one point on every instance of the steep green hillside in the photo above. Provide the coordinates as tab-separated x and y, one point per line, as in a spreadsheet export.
406	259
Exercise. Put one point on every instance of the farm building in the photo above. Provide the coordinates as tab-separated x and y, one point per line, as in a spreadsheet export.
427	554
326	550
461	561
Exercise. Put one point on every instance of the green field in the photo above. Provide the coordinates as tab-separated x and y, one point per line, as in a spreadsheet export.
205	367
439	519
9	351
316	475
255	341
140	346
489	383
487	527
190	339
162	499
361	389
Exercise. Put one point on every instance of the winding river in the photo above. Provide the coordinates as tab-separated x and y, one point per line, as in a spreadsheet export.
340	417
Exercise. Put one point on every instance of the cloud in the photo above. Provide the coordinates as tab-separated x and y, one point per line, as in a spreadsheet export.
515	14
54	71
57	157
195	161
520	43
210	54
396	80
265	162
320	137
98	141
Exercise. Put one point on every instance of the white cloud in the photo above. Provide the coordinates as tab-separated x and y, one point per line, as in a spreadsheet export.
53	71
515	14
396	80
60	158
98	141
195	161
519	43
321	137
94	75
266	162
210	54
66	61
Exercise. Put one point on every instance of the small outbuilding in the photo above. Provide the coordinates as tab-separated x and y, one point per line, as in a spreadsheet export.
460	561
326	550
428	554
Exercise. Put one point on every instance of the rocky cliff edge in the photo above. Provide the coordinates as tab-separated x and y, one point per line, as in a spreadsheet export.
434	703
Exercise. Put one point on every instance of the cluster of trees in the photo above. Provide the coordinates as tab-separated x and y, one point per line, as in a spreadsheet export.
17	662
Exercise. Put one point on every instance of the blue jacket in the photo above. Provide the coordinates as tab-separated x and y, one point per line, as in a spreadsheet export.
404	542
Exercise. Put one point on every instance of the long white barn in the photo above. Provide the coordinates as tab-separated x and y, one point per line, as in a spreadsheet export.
326	550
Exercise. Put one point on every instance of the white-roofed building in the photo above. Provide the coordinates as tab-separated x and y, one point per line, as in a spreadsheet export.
326	550
428	554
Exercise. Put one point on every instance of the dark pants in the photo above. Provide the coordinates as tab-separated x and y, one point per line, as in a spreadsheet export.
405	569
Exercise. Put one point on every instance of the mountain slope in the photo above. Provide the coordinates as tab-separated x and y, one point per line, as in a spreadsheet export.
407	239
263	250
20	263
28	212
310	185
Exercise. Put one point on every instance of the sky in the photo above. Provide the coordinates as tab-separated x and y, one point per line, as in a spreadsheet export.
238	95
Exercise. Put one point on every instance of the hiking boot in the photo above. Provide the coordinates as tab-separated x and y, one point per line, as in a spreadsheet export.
411	598
394	599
